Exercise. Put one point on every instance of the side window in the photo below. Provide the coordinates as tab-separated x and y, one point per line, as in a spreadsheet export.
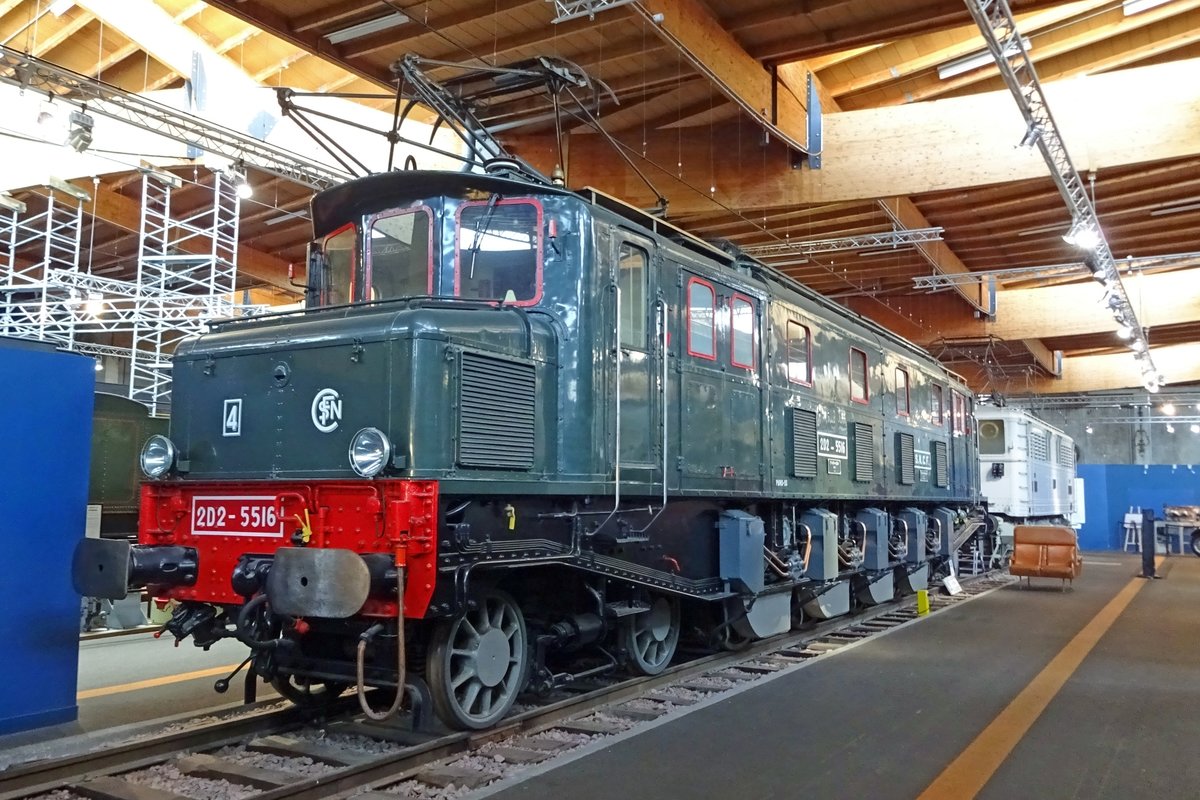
858	375
499	251
701	338
959	413
799	353
741	310
939	410
631	278
902	408
399	256
339	255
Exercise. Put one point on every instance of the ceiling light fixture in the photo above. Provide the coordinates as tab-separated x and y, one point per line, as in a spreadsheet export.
1168	409
361	29
1170	428
1083	236
981	59
1124	332
79	135
1195	428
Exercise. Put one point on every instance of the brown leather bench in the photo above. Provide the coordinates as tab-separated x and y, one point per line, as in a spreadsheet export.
1044	551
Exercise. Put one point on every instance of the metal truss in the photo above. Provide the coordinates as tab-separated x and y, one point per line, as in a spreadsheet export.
941	281
29	72
899	237
999	30
574	9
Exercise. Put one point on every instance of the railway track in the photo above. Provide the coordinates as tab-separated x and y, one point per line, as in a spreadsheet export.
275	755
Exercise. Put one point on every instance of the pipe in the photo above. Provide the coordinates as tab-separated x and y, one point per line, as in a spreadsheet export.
897	551
808	545
401	656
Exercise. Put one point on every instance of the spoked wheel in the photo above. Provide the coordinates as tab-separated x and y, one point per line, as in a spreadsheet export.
1196	543
650	638
479	662
308	692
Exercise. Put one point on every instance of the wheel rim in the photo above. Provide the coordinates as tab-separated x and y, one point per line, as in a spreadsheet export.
651	637
482	660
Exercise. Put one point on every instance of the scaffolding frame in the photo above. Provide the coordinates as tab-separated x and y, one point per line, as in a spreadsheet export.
186	277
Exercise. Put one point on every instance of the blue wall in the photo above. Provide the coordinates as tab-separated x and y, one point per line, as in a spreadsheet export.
43	505
1110	489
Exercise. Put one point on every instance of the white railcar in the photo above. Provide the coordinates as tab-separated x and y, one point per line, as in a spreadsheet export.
1027	468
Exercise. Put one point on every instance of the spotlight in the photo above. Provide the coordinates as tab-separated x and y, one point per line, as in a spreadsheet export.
79	136
1170	428
1195	428
1088	429
1168	409
99	366
1124	332
243	188
94	304
1137	346
1083	236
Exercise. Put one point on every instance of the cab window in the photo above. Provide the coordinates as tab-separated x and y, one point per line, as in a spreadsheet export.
799	353
499	251
631	277
901	391
937	409
741	310
858	375
339	259
701	316
399	256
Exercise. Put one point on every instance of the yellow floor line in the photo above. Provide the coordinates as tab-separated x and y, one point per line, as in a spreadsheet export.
150	683
974	767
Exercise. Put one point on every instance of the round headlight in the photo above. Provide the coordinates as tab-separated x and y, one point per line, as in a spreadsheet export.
158	456
370	452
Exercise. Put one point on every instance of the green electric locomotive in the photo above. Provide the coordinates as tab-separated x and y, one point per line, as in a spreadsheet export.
558	430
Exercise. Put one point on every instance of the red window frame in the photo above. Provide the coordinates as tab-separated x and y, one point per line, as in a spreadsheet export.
907	395
733	333
939	408
712	325
508	201
353	259
866	372
368	271
807	380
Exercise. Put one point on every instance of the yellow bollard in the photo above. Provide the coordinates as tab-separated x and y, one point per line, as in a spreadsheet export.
922	602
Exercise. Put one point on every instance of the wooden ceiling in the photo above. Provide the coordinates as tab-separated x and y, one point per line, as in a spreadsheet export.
673	82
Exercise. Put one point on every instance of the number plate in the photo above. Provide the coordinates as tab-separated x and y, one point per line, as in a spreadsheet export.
225	515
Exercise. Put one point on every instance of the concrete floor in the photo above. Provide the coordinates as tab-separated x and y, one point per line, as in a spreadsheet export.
885	719
881	720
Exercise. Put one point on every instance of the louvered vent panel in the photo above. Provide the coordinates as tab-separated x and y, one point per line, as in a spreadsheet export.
864	452
941	465
496	399
904	452
1038	451
1066	454
804	443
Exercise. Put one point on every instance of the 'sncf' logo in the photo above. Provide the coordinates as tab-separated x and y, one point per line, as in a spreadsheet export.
327	410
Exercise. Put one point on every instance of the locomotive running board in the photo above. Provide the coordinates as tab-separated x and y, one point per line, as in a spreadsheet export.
320	582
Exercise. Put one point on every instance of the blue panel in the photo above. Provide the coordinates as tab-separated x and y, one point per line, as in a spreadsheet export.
1111	489
43	498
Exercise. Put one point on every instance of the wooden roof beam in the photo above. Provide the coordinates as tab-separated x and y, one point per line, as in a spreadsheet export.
1180	363
335	12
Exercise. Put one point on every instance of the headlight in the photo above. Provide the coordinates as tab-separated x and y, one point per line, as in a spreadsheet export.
158	456
370	452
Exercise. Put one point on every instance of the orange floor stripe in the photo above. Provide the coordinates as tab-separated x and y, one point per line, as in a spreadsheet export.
974	767
150	683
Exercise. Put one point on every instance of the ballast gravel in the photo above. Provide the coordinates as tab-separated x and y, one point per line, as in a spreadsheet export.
300	765
350	741
58	794
170	779
421	791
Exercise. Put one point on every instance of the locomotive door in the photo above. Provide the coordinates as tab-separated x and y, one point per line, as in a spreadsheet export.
639	353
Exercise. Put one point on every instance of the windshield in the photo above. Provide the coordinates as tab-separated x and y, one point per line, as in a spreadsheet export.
499	251
399	255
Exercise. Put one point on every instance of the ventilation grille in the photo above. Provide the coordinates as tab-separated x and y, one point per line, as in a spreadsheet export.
1037	446
804	443
1066	454
904	452
941	465
496	399
864	452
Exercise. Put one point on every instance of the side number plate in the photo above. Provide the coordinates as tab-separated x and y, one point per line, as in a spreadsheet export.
226	515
